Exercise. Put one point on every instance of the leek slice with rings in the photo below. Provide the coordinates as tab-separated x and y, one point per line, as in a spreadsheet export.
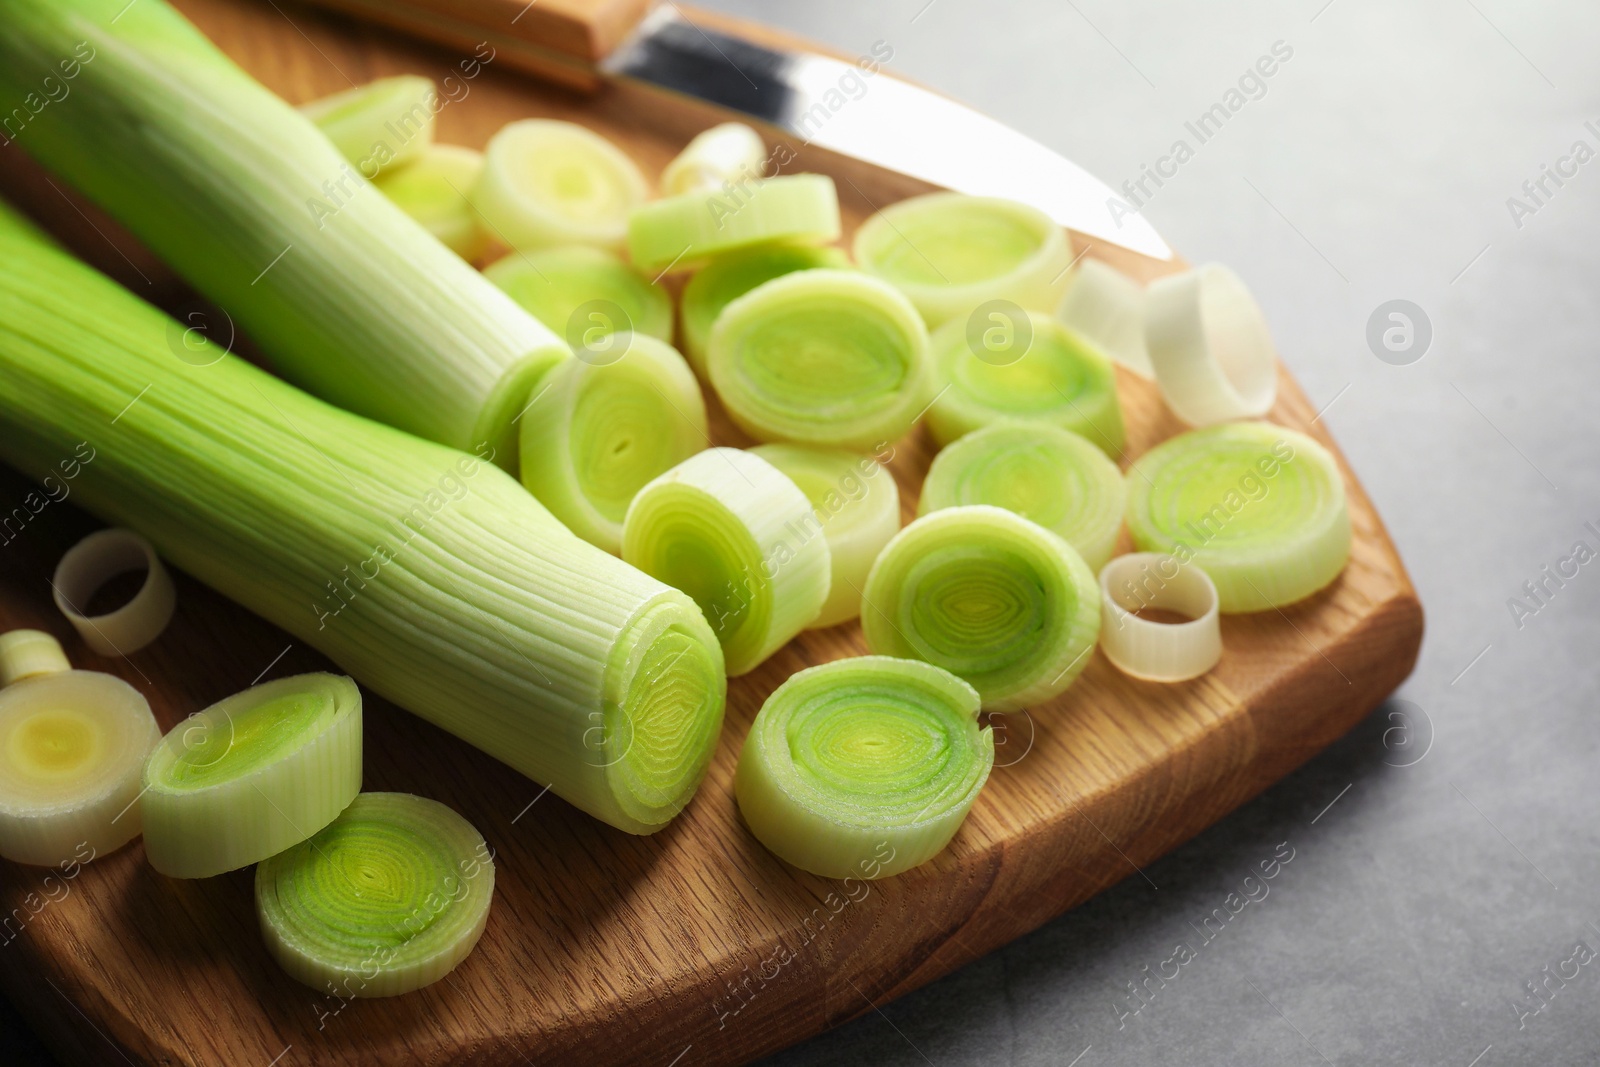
1210	346
546	182
685	231
729	277
723	155
380	125
579	291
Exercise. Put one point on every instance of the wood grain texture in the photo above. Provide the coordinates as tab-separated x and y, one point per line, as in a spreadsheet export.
602	947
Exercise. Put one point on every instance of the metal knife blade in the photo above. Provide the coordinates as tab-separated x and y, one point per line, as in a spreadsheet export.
889	123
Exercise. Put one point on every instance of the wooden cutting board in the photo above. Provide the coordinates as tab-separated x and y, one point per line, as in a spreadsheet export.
693	946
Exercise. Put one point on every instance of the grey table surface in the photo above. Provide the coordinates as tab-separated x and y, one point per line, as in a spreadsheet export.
1447	851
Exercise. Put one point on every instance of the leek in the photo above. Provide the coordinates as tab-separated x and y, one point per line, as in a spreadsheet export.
379	125
240	193
1107	307
1261	509
87	566
685	231
1043	473
824	357
389	898
597	432
1210	347
723	155
729	277
863	767
580	292
431	577
547	182
1152	650
989	596
432	189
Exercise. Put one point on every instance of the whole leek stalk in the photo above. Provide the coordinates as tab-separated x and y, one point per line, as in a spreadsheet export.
239	192
429	575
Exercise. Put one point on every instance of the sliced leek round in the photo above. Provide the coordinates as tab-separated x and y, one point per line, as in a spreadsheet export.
1261	509
1107	307
252	775
1148	648
729	529
990	597
1210	346
723	155
387	898
683	232
1043	473
433	188
823	357
596	432
950	253
72	749
584	293
729	277
856	503
863	768
381	124
547	182
92	562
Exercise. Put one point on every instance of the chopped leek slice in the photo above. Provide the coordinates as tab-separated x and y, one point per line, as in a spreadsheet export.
72	746
1210	346
729	277
1148	649
1107	307
597	432
1260	508
429	575
88	565
825	357
988	596
388	898
252	775
725	154
858	506
581	292
240	193
863	768
950	253
682	232
729	529
432	188
1042	372
381	124
546	182
1043	473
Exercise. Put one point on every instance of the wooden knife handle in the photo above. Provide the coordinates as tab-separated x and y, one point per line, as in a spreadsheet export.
557	40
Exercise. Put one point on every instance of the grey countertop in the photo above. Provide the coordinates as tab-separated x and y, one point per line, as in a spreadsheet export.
1446	851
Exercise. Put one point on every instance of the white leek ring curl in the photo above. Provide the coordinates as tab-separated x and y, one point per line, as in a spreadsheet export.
379	125
989	596
856	503
577	289
92	562
729	277
734	533
1259	508
252	775
432	188
1004	363
684	232
1210	346
725	154
863	768
1148	649
950	253
1107	307
823	357
387	898
597	431
546	182
72	750
1045	474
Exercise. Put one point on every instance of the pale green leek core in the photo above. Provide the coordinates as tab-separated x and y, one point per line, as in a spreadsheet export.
1043	473
951	253
433	578
388	898
252	775
683	232
729	277
596	432
432	188
858	505
1261	509
729	529
822	357
578	290
546	182
1040	373
348	296
988	596
381	124
863	768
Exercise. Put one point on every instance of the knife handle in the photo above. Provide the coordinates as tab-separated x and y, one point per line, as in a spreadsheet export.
560	41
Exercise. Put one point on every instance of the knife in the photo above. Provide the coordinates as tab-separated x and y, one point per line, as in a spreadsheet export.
884	120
